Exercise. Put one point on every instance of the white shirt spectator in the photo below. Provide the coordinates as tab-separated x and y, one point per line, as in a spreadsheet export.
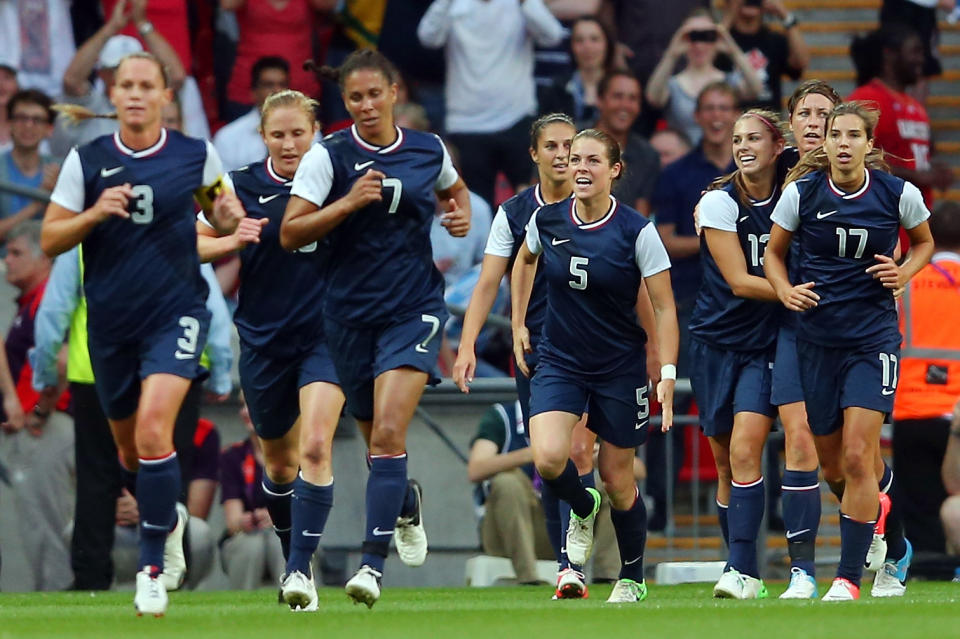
239	142
45	55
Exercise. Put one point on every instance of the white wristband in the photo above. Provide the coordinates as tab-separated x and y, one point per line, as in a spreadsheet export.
668	371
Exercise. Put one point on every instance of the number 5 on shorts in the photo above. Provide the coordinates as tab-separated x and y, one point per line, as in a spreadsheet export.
187	345
434	323
643	403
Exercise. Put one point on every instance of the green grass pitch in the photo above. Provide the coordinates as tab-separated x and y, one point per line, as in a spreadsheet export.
929	610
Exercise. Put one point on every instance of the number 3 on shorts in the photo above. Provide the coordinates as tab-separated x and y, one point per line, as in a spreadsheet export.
187	345
434	323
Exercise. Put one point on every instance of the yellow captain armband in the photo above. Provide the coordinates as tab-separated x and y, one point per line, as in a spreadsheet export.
205	195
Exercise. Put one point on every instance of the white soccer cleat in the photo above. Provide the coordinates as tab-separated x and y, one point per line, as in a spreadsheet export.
891	580
299	592
627	591
409	534
734	585
580	533
174	560
802	585
364	586
842	590
151	596
571	585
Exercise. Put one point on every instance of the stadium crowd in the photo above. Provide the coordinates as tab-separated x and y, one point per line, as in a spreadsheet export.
489	95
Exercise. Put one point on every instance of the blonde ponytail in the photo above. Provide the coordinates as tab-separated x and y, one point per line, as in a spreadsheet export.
75	114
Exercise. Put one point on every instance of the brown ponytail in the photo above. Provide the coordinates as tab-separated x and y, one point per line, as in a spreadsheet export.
356	61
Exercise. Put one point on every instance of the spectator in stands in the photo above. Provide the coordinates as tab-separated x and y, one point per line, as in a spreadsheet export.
888	62
8	86
271	29
698	41
950	509
38	36
671	144
240	143
618	105
556	61
771	53
576	92
490	93
249	548
37	456
103	53
922	16
31	122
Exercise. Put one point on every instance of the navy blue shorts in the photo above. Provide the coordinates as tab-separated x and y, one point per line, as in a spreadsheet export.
728	382
618	404
174	348
361	353
837	378
271	385
787	388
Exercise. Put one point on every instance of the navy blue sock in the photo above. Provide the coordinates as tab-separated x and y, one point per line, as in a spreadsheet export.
568	488
855	538
409	507
309	509
128	479
587	481
744	518
551	513
631	528
386	488
801	516
278	498
158	484
722	511
896	544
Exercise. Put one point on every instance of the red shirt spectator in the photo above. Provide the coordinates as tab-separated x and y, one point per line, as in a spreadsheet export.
170	18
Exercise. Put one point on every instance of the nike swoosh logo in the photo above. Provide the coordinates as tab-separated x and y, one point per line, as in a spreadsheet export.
182	355
822	215
150	526
381	533
633	561
791	535
359	167
555	241
307	533
266	198
885	391
745	217
108	172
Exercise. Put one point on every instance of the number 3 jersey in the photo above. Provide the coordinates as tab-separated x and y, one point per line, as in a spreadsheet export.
593	273
381	262
720	318
143	269
839	233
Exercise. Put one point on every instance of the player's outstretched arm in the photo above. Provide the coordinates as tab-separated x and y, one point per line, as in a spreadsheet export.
668	340
521	286
481	301
211	246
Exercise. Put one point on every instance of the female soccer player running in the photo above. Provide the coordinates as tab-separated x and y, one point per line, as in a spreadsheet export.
846	212
371	188
733	334
596	253
128	197
288	377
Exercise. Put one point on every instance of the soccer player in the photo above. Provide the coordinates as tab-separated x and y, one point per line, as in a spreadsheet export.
847	211
733	332
372	189
128	198
596	252
288	377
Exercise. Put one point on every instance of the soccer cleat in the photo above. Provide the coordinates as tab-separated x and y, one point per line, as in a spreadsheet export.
802	585
571	585
299	592
580	532
891	580
151	596
842	590
734	585
627	591
409	535
174	561
364	586
878	546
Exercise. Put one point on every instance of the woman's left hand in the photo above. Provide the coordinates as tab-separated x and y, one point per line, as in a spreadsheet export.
888	272
665	397
455	220
227	212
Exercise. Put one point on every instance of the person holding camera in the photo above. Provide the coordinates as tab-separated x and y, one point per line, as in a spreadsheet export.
698	40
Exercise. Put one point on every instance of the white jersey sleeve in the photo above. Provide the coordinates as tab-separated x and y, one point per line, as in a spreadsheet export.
533	235
212	167
448	173
787	211
649	252
69	191
913	210
500	241
314	177
718	211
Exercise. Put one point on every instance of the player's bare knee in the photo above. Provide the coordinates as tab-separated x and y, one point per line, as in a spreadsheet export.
745	461
281	470
550	462
858	461
582	455
387	438
315	449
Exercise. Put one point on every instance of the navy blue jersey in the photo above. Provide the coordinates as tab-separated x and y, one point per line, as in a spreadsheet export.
506	235
143	269
381	262
720	318
593	273
281	293
839	234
